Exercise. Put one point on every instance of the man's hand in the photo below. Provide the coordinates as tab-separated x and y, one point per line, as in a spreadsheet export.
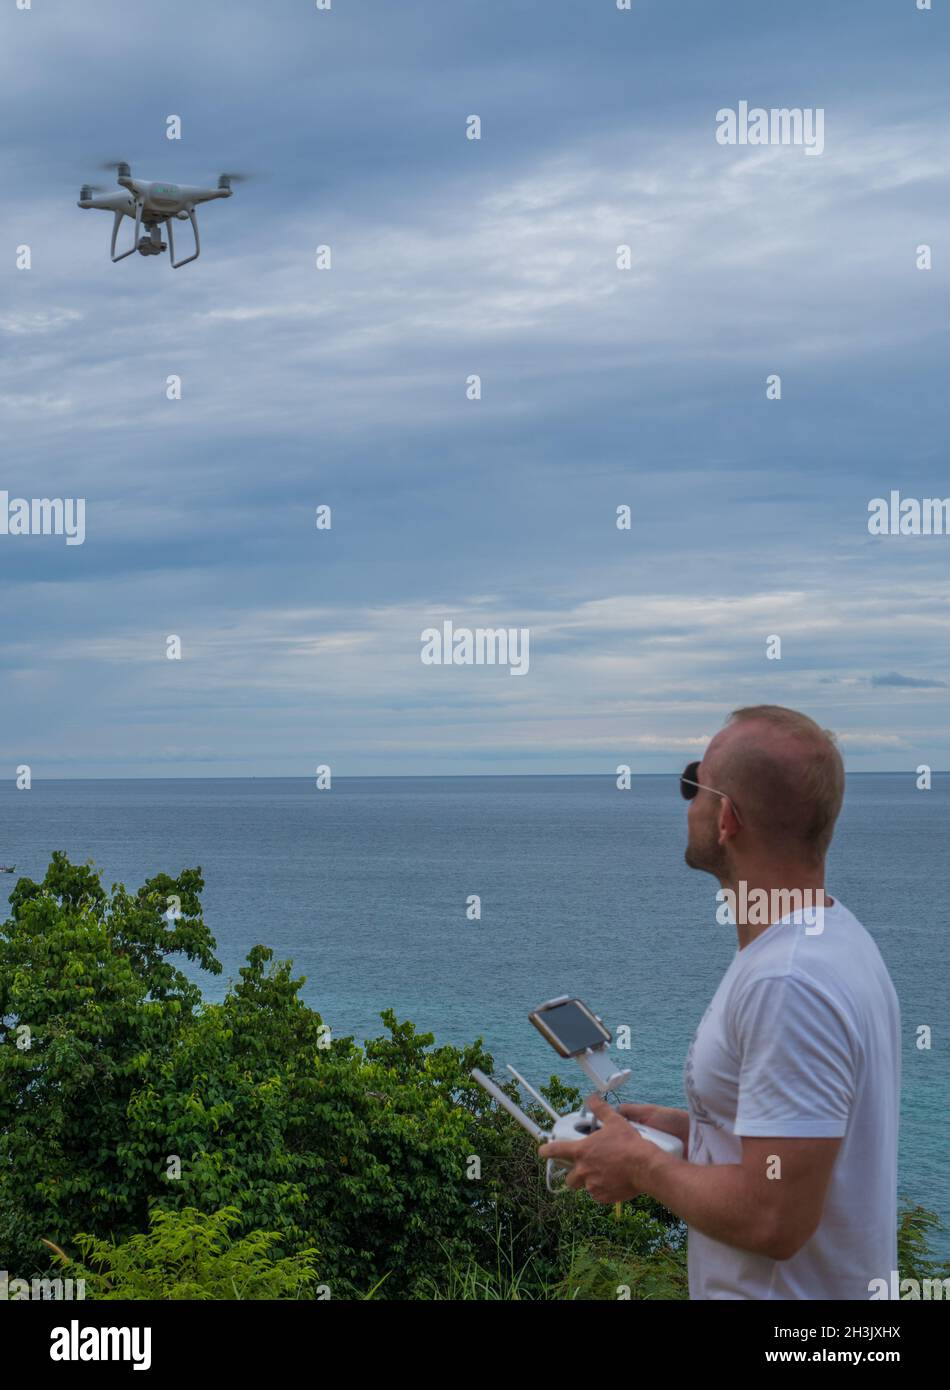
614	1163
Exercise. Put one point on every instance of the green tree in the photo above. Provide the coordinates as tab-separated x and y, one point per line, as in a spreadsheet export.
131	1094
89	1001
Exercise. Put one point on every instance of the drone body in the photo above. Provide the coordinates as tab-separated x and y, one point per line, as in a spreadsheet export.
149	204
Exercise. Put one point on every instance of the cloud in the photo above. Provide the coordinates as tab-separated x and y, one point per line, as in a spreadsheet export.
909	682
44	321
604	681
452	258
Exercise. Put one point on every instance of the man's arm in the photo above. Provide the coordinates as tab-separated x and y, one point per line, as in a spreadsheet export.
740	1204
736	1203
796	1080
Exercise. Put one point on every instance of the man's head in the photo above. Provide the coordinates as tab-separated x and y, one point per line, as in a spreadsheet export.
781	781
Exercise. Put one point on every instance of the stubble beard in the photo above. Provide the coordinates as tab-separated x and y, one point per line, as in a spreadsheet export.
709	857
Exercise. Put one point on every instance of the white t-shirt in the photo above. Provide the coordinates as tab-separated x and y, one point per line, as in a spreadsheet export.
802	1038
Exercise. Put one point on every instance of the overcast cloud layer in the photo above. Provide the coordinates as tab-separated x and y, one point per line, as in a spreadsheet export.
346	387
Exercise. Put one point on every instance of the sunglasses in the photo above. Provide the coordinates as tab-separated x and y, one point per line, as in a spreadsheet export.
689	787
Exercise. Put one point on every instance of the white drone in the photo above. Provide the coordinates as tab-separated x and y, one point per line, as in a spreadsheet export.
149	204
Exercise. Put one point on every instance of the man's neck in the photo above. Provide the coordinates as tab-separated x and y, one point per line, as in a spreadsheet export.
763	894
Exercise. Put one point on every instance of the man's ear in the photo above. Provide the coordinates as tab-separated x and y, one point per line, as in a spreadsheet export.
728	823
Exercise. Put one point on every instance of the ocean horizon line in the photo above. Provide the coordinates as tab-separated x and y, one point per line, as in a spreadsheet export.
433	776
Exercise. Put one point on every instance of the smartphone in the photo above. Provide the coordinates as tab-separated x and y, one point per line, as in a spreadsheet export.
569	1026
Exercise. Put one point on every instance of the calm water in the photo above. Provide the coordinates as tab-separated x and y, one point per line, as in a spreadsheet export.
583	891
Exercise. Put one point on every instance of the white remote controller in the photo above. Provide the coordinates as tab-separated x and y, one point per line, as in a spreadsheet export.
581	1124
574	1031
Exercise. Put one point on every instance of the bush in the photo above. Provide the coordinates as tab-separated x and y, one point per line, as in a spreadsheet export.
914	1225
187	1255
122	1094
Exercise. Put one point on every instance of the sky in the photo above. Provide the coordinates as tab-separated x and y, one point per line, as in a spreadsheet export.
348	387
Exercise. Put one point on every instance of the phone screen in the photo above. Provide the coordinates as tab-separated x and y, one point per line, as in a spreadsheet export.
573	1027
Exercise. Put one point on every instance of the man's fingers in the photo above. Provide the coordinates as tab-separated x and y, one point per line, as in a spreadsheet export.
602	1109
558	1148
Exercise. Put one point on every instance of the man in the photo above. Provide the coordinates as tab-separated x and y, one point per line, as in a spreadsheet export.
789	1183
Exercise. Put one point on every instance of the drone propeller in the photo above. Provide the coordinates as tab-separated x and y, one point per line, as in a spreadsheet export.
226	180
89	190
120	166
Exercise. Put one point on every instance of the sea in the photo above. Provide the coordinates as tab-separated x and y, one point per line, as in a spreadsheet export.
370	888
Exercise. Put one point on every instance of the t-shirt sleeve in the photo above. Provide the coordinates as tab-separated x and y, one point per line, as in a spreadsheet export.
796	1062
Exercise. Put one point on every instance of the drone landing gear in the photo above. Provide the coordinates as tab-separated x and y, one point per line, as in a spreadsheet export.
115	234
151	244
176	265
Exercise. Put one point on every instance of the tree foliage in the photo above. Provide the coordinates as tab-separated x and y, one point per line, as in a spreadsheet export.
193	1256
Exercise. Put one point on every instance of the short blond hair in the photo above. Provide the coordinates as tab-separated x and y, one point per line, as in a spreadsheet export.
790	797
